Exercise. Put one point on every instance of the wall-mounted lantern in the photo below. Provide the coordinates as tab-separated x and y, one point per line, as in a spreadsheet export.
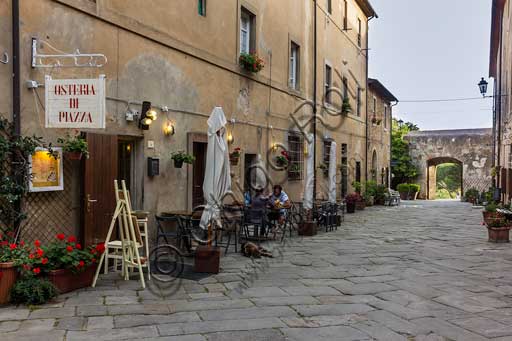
483	86
147	116
169	129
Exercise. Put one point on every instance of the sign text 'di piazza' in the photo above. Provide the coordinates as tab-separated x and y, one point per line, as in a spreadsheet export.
75	103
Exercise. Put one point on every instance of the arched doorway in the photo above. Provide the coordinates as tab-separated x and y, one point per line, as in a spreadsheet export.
444	178
374	165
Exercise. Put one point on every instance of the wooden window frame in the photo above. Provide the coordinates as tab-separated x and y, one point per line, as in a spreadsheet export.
294	77
201	8
251	30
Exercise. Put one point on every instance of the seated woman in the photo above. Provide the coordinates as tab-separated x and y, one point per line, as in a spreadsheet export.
279	200
257	211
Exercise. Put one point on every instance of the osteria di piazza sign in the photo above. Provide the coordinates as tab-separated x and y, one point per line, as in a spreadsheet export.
75	103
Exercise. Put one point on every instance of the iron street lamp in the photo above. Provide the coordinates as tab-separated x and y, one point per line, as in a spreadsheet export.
483	86
400	123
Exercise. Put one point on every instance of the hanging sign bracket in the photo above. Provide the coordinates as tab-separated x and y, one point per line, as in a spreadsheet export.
62	59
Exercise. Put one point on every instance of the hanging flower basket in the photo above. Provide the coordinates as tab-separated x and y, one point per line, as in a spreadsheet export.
181	157
251	62
75	156
234	157
283	160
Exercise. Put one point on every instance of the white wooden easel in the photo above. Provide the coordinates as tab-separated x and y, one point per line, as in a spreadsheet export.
130	236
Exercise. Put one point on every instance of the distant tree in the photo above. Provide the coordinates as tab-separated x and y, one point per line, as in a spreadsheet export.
402	167
449	178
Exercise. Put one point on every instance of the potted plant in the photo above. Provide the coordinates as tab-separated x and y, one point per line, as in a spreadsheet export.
74	147
414	189
283	159
403	189
380	194
490	212
357	187
498	230
10	255
368	199
234	156
351	200
472	195
251	62
324	168
64	262
376	121
346	108
181	157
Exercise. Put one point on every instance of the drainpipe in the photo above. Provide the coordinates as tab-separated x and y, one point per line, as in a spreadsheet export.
16	90
314	94
498	116
366	90
494	132
391	141
16	93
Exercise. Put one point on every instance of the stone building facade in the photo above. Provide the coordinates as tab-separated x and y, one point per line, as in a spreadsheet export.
380	118
470	148
183	57
500	69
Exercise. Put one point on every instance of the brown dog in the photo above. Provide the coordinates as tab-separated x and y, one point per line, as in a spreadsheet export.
252	250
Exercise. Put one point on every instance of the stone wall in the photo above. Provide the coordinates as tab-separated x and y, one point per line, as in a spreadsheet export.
471	147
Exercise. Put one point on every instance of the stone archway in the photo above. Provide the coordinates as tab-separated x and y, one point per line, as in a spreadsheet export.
432	165
471	148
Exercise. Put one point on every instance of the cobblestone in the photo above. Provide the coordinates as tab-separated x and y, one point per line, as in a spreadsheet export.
423	271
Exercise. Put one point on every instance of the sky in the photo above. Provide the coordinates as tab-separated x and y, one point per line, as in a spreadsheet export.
436	49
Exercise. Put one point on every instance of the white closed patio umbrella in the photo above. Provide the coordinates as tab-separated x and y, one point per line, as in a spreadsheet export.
217	180
310	174
332	173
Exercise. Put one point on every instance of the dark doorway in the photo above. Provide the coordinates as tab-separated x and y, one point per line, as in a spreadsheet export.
250	172
358	171
344	170
125	151
198	171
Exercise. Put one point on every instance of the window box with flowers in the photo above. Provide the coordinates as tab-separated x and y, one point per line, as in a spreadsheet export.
64	262
376	121
251	62
282	160
234	156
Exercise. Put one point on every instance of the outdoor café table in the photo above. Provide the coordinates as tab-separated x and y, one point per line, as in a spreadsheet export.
182	234
273	219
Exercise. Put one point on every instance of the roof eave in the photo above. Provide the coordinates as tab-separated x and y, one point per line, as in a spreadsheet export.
367	8
497	12
381	90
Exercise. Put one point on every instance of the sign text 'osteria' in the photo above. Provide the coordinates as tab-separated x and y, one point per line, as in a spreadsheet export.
75	103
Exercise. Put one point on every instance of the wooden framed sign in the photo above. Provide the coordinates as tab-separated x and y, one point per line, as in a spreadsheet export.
75	103
47	172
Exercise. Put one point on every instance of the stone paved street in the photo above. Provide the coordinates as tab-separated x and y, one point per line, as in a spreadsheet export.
422	271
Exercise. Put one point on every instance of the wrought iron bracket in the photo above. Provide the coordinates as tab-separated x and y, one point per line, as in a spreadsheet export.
62	59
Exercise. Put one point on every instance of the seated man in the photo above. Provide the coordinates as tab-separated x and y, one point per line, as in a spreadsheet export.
279	200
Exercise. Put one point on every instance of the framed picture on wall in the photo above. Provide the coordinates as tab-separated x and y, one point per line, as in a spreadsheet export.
47	171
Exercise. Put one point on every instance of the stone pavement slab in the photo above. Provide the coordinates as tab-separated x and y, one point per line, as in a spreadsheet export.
423	271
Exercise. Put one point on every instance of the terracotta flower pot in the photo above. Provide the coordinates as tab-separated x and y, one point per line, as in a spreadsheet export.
491	216
499	234
74	155
233	160
404	195
351	207
65	280
8	276
360	205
